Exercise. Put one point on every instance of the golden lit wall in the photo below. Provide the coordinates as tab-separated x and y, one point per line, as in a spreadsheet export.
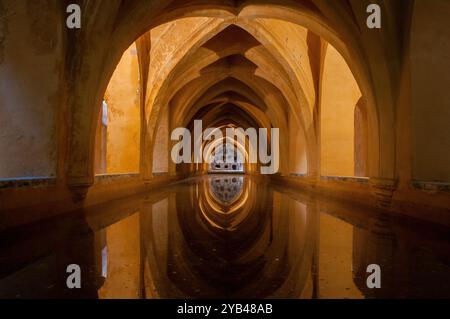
122	96
339	96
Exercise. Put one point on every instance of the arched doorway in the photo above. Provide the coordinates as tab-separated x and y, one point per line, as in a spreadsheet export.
296	16
227	159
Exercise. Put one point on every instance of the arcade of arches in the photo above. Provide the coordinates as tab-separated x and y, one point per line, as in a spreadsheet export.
86	115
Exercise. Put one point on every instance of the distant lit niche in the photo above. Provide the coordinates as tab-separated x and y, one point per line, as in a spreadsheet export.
227	160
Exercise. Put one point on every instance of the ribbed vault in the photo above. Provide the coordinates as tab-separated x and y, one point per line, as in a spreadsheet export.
262	57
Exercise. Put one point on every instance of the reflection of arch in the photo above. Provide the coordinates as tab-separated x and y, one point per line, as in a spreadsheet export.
227	190
224	202
215	253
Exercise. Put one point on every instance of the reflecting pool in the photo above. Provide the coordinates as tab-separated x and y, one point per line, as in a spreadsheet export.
226	236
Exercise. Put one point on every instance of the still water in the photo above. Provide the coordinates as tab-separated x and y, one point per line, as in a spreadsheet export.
226	236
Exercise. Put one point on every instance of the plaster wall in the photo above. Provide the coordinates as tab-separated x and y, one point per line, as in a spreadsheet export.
31	66
340	94
430	78
122	97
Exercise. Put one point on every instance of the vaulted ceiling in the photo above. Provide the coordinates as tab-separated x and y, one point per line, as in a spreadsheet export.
262	57
246	73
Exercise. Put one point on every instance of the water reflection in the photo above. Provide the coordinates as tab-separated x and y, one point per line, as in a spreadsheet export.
226	237
216	253
226	190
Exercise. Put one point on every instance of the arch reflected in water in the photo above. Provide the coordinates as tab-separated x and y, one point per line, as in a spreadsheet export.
226	190
222	201
219	248
267	242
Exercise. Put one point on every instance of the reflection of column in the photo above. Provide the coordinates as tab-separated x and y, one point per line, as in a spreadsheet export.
375	246
123	249
80	247
303	243
154	227
160	229
410	268
146	282
313	214
336	257
143	212
294	235
101	256
34	264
